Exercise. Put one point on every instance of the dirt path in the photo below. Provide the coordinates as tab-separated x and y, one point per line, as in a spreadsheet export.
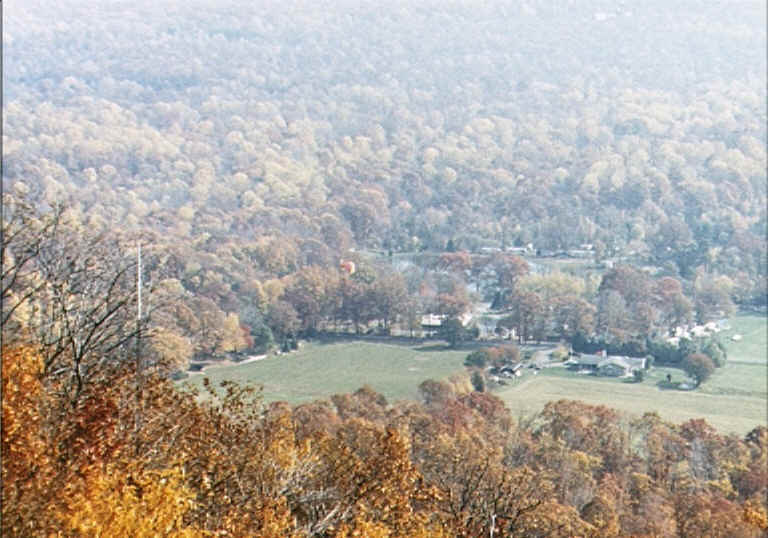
251	358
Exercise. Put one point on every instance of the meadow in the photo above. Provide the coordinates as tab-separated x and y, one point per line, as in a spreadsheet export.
727	411
753	346
319	370
733	400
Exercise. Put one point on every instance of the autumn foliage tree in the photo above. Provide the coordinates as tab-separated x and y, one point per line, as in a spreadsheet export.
76	475
699	367
28	453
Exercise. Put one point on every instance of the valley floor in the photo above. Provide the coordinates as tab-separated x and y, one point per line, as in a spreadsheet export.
735	399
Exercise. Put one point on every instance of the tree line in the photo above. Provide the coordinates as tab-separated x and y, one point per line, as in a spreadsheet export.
76	286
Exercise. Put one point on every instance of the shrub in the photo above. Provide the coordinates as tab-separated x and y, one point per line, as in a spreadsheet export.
560	354
478	359
478	381
715	351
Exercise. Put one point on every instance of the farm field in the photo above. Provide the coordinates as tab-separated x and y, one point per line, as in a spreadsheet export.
320	370
737	414
734	399
753	346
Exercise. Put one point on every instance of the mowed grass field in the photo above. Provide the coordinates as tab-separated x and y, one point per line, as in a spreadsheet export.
317	370
734	399
753	347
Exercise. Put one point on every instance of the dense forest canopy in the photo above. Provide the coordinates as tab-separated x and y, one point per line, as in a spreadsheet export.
385	126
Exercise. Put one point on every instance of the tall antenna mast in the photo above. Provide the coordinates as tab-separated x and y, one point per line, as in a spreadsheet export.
138	280
138	417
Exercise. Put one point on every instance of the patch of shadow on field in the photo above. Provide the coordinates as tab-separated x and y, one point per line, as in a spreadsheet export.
330	339
631	381
674	385
433	348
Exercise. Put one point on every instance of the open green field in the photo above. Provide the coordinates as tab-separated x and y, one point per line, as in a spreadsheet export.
753	346
737	414
320	370
735	399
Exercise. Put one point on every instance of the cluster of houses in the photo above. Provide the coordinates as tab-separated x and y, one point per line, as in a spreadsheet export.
599	364
584	251
487	326
698	331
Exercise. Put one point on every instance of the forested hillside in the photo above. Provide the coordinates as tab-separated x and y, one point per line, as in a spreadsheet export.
277	136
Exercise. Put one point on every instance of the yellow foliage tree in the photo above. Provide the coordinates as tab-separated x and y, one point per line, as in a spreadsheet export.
27	456
122	499
756	515
232	338
172	349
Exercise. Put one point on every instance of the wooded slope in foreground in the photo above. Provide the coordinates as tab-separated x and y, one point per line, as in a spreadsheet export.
134	456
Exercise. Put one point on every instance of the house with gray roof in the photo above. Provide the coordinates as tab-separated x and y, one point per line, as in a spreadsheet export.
614	365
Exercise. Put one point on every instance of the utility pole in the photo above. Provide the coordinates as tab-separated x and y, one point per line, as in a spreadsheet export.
138	310
138	278
139	381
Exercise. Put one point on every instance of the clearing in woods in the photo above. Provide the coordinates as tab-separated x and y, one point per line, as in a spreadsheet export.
320	370
733	400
